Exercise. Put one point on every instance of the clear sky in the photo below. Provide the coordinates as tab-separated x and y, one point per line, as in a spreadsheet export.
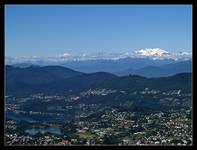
47	30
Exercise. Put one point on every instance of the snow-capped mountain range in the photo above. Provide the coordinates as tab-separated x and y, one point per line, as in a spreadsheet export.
155	52
151	53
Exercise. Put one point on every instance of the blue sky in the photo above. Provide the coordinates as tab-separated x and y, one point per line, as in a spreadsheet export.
47	30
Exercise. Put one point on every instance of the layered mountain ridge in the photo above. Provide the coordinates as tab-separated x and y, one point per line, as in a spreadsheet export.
58	80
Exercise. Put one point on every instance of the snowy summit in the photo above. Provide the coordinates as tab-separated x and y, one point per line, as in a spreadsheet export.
152	52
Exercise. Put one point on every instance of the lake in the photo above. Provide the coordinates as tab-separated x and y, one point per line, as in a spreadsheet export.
43	131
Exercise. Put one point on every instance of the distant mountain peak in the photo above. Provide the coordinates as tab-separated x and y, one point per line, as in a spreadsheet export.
152	52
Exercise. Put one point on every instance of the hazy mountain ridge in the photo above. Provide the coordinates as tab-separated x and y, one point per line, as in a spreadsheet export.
120	67
159	71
